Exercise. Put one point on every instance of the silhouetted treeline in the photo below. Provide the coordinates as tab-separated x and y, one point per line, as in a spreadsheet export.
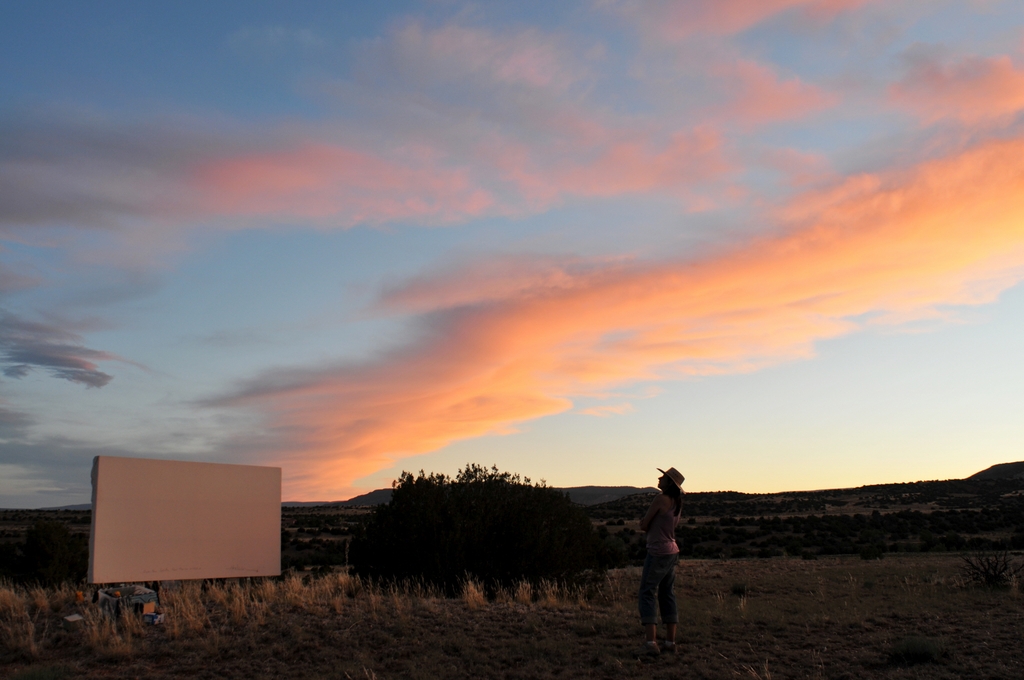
952	494
868	535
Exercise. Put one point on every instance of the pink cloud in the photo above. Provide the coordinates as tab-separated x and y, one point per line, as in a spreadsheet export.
970	89
340	186
627	163
756	94
331	183
472	123
876	249
798	167
634	166
673	21
454	53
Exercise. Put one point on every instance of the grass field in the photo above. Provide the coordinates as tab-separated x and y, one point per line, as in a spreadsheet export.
906	616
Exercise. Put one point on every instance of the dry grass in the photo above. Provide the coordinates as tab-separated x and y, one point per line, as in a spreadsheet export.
523	593
473	594
184	610
17	627
831	618
101	635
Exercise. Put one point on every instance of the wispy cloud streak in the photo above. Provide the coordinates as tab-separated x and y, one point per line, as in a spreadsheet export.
25	345
670	20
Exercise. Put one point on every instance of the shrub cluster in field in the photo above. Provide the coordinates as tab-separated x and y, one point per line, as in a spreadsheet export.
50	555
311	537
490	525
870	536
867	535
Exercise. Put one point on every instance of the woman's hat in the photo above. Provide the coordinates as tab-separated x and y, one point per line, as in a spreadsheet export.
673	474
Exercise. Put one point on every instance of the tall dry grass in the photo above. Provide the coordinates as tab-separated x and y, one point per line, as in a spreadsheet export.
102	636
17	627
185	612
473	594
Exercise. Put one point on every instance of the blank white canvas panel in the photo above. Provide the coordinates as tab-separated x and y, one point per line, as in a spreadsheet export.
157	520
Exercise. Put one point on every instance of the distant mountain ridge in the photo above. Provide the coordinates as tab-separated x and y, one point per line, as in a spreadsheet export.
596	495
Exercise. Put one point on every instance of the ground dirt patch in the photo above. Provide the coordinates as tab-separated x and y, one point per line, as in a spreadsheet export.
825	618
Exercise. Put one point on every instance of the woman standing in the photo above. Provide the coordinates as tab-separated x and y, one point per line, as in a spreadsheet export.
660	566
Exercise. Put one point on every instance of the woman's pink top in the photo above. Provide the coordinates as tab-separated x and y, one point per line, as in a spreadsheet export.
661	535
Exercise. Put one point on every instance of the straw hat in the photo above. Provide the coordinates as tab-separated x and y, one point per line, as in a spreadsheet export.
673	474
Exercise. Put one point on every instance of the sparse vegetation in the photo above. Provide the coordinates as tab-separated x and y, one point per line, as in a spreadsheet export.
794	619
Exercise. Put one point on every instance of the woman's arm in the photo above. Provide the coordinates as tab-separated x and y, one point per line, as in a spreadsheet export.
661	503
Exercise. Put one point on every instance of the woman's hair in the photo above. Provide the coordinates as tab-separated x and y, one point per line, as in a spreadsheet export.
676	494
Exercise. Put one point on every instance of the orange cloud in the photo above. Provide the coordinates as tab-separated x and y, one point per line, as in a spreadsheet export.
609	410
971	89
876	249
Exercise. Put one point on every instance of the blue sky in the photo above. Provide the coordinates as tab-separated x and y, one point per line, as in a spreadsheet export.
776	245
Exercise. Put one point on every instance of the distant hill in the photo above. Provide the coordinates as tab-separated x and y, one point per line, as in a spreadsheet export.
1001	471
592	495
373	498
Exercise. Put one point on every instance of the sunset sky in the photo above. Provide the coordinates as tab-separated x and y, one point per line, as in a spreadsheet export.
777	244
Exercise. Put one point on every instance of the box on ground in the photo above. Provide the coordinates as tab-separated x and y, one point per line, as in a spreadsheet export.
73	621
131	598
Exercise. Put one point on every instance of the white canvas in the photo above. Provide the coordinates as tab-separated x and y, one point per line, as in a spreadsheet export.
156	520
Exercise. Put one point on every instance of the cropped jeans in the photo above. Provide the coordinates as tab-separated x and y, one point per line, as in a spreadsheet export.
659	577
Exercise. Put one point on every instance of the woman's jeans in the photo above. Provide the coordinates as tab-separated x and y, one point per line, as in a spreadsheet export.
659	576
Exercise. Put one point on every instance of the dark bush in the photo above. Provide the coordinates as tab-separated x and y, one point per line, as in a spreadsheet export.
992	570
51	555
872	552
43	673
487	524
913	650
10	560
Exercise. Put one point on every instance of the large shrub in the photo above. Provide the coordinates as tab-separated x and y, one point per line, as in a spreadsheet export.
50	555
486	524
